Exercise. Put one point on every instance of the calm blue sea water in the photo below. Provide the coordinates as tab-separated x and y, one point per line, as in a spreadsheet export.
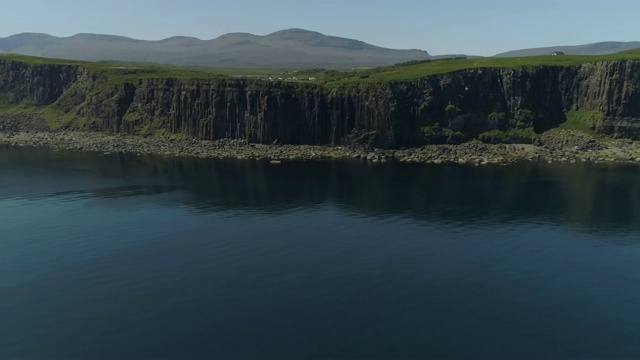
119	256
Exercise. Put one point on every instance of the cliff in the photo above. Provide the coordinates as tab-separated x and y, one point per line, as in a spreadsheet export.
493	104
36	84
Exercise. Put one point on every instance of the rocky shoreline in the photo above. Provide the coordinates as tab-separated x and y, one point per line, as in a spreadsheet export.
557	145
560	146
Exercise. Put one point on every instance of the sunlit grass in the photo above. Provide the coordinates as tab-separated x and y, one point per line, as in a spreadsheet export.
117	71
416	71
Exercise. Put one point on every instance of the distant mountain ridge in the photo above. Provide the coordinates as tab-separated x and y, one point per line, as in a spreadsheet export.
286	48
599	48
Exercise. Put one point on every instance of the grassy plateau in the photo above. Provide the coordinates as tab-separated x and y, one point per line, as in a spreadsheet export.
125	71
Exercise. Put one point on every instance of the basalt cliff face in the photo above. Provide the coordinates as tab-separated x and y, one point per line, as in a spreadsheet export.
36	84
451	107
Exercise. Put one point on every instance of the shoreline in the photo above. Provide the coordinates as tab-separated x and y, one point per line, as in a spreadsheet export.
568	148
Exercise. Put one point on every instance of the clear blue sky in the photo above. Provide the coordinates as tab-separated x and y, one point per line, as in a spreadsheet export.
478	27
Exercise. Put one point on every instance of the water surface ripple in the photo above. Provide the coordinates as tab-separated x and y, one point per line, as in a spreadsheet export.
119	256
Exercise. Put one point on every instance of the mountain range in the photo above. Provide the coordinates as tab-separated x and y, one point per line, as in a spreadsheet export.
295	48
291	48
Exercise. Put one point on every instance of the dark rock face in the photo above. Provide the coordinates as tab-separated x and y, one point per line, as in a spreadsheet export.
36	84
612	88
395	114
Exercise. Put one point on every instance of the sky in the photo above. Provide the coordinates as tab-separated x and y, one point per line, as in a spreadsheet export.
472	27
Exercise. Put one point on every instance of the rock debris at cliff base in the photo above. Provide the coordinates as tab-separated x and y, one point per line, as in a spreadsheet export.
468	153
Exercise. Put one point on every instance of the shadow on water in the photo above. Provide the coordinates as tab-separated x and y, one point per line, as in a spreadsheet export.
602	197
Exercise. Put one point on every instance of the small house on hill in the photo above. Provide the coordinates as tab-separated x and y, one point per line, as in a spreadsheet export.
557	53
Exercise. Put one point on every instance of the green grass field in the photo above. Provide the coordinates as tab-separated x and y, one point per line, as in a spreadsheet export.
416	71
118	71
124	71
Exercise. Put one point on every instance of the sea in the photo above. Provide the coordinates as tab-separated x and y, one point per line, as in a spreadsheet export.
120	256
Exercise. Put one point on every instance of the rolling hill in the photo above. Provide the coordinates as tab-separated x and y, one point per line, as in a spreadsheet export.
600	48
296	48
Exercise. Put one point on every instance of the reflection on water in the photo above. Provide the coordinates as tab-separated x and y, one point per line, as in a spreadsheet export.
122	256
603	197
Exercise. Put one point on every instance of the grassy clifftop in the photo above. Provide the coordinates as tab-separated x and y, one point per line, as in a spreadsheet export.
413	71
125	71
119	72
